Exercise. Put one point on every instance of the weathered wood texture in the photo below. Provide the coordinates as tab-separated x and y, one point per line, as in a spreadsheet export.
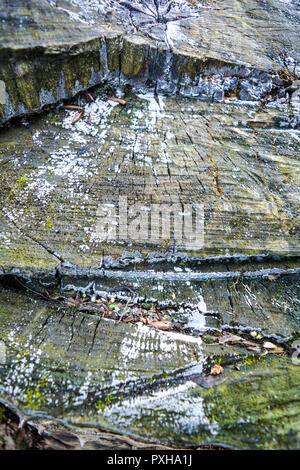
196	48
63	185
136	380
185	199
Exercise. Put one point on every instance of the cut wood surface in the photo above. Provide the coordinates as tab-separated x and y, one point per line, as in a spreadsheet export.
149	224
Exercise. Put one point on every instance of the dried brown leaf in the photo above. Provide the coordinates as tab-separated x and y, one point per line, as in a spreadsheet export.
72	106
216	370
77	117
237	340
90	97
161	325
118	100
158	315
229	338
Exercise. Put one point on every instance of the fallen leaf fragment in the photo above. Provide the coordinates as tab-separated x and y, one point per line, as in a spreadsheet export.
118	100
161	325
143	320
158	315
72	106
77	117
114	307
230	338
216	370
237	340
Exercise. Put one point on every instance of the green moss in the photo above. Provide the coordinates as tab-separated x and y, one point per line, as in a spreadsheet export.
24	80
28	88
256	409
47	224
20	184
208	339
254	360
34	397
107	401
133	59
54	118
75	65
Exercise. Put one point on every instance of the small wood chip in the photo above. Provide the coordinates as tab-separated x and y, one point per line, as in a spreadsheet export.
216	370
77	117
143	320
118	100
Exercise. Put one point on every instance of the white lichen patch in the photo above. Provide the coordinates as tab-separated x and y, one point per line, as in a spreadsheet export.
65	160
160	408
